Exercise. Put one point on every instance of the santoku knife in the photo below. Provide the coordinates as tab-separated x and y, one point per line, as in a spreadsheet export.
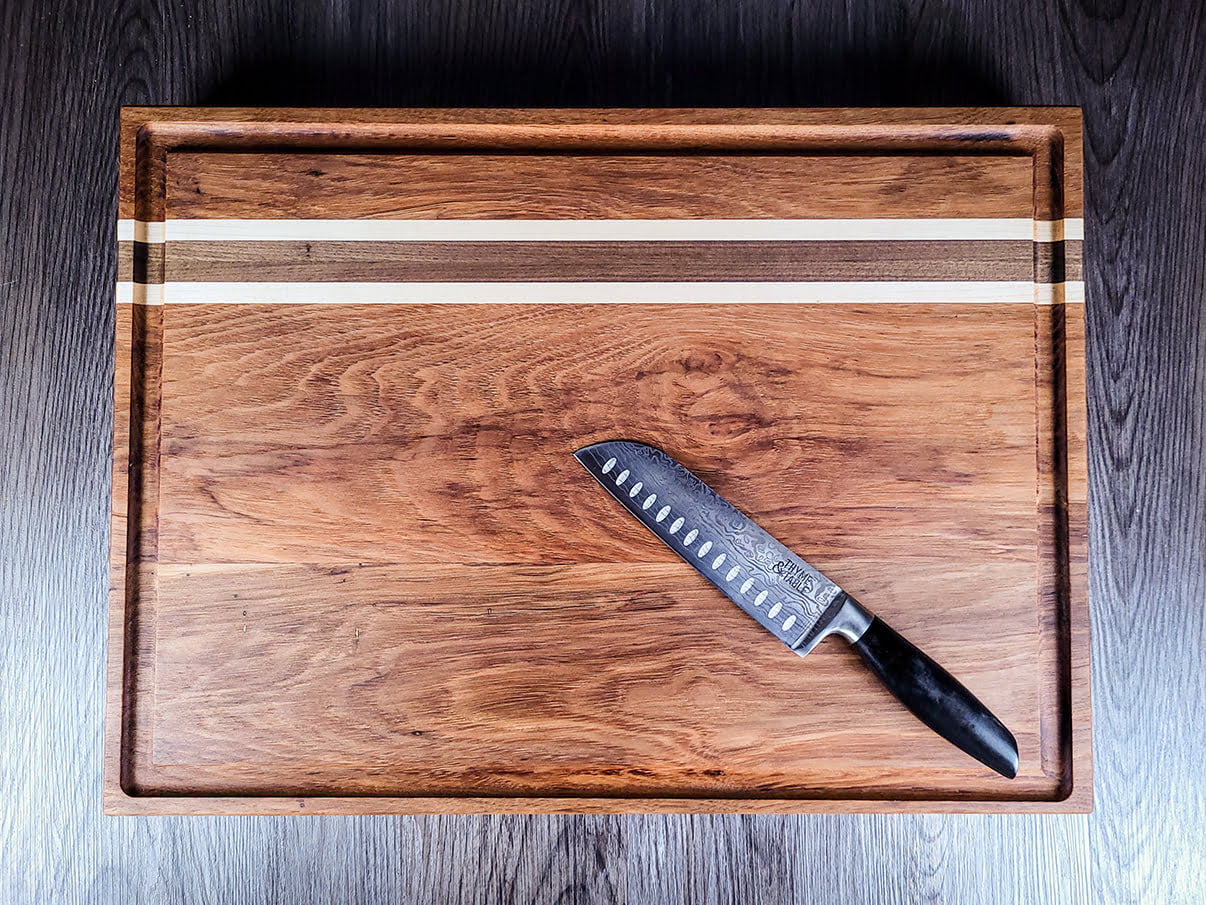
787	596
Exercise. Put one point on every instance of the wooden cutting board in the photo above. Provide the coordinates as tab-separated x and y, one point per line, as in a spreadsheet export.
356	568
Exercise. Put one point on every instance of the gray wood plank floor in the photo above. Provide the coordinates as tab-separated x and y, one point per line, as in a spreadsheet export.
1136	68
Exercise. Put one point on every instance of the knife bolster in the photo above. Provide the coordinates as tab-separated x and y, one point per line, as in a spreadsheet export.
845	616
851	621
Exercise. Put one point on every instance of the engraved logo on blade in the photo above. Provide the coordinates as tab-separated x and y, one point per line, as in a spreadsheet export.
802	581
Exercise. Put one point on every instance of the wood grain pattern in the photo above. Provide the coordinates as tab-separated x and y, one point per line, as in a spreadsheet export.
1134	70
749	130
748	391
604	680
335	261
156	135
539	186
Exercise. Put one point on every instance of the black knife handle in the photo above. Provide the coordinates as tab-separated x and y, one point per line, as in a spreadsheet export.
937	699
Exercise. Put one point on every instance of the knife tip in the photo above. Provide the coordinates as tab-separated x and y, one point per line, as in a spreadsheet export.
584	454
584	451
608	447
618	442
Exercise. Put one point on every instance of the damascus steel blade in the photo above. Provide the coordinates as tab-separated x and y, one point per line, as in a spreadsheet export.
784	594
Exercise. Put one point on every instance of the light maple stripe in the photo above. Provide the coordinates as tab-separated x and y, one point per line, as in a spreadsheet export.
148	231
129	293
928	229
868	292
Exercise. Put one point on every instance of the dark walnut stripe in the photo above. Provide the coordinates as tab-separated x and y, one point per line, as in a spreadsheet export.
141	261
612	261
1055	262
